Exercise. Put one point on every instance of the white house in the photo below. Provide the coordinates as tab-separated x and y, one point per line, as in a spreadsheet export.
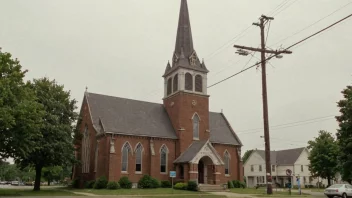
294	160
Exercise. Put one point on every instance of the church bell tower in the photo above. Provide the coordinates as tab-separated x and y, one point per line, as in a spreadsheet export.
185	88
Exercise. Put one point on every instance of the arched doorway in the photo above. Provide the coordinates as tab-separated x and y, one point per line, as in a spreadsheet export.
205	170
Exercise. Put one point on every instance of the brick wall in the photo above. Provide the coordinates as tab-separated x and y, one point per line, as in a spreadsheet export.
181	110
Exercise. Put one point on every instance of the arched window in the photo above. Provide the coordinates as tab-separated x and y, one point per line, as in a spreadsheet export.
96	157
175	83
188	82
85	150
199	83
227	163
195	126
138	151
169	86
163	159
125	150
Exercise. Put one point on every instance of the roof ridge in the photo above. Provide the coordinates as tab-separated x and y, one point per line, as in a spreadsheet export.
136	100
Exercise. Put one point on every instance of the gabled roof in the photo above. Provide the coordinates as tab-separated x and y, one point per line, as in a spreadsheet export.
282	157
190	152
140	118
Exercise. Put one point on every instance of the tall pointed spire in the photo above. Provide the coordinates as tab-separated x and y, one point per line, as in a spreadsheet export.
184	34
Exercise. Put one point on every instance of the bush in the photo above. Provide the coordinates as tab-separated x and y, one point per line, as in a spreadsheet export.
75	183
242	185
236	184
166	184
89	184
181	186
125	183
229	184
148	182
113	185
100	183
192	186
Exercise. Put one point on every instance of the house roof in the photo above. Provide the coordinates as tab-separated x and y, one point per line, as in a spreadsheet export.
191	152
140	118
284	157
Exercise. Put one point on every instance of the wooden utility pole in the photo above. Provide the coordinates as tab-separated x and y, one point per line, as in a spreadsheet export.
263	20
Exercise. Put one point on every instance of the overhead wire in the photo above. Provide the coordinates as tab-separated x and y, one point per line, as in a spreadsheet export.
285	8
291	46
314	23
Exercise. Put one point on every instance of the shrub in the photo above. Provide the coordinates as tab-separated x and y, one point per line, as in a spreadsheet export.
236	184
125	183
192	186
148	182
242	185
100	183
89	184
75	183
113	185
166	184
229	184
181	186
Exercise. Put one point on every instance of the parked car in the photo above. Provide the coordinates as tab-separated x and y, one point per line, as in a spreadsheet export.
3	182
15	183
339	190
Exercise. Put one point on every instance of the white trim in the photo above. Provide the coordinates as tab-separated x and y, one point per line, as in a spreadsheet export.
208	150
135	151
123	146
166	158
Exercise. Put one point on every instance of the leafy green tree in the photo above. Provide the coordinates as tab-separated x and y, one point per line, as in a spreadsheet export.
323	156
52	173
344	134
54	147
20	114
246	155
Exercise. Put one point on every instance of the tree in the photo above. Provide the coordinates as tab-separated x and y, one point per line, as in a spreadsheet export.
52	173
54	147
344	134
246	155
323	156
20	114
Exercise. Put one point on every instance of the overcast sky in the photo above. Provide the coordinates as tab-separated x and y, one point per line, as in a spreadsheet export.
121	48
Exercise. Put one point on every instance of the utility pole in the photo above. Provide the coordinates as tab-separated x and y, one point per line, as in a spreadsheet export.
263	20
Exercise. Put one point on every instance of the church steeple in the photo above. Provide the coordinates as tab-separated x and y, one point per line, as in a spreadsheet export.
184	55
184	39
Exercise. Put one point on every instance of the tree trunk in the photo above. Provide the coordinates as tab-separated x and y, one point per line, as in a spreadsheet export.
48	182
38	175
329	181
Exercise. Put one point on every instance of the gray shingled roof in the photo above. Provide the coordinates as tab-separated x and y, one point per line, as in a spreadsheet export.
284	157
140	118
130	117
191	152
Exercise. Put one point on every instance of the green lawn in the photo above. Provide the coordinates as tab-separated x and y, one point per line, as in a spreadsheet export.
158	191
30	192
261	192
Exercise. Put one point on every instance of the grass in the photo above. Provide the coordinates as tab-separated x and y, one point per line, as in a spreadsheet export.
158	191
30	192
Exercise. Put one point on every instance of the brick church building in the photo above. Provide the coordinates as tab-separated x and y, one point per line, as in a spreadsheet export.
124	137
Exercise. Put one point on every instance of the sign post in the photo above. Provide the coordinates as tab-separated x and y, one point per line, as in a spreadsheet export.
172	175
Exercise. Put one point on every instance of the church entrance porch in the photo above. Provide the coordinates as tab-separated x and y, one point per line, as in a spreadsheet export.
205	171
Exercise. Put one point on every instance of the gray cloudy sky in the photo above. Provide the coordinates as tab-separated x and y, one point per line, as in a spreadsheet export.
121	47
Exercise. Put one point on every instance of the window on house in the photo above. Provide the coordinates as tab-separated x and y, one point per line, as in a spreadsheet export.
163	159
175	83
85	150
169	86
199	83
252	168
195	126
189	82
301	168
260	168
304	180
96	157
138	151
125	150
227	163
181	172
273	168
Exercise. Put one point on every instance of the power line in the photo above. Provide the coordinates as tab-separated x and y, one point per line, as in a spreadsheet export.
285	8
314	23
317	118
260	131
270	57
278	7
